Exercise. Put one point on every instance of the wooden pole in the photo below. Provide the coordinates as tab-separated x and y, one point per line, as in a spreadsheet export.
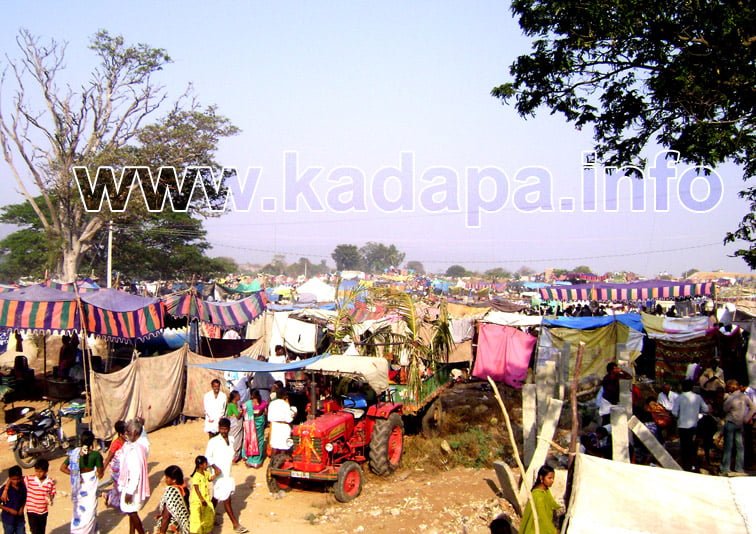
575	428
516	453
85	351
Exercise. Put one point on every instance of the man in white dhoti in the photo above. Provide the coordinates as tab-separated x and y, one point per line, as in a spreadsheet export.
220	457
280	415
133	481
215	408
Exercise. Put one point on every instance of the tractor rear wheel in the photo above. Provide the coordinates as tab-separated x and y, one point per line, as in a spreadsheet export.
387	445
349	483
276	484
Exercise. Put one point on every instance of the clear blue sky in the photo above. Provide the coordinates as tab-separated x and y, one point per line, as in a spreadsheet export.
357	83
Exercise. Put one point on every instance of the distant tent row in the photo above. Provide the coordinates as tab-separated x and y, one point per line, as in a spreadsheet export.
653	289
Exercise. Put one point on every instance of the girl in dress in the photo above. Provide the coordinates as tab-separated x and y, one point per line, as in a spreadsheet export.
201	509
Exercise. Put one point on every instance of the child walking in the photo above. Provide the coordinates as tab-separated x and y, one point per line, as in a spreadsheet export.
40	493
12	501
201	509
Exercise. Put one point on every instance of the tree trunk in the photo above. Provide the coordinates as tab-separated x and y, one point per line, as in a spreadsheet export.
71	258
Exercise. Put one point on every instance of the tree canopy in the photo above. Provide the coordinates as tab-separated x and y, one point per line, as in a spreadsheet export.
456	271
112	118
378	257
416	266
681	74
347	257
159	246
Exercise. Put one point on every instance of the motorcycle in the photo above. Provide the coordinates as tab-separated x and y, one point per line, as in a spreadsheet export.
42	435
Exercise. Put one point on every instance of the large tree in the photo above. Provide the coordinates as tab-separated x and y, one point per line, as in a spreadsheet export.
378	257
681	74
158	246
347	257
112	119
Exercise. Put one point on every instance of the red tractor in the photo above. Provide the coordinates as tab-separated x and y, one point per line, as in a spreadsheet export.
332	447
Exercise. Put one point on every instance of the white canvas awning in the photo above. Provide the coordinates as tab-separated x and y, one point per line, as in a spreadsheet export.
374	371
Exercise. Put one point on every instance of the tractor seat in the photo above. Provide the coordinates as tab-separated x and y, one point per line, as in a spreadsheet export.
356	412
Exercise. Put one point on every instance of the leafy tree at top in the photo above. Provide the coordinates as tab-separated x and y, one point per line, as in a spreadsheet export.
347	258
681	74
497	274
416	266
456	271
689	273
582	269
48	127
378	257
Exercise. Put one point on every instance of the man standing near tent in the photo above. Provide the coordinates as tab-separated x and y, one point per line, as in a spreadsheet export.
687	408
215	408
739	410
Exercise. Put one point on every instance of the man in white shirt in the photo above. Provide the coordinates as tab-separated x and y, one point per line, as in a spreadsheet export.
280	415
220	456
687	408
667	397
215	408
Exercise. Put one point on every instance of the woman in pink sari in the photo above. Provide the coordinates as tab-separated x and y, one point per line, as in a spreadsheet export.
254	430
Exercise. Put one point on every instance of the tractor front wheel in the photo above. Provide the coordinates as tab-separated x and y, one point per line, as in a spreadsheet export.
387	445
349	483
276	484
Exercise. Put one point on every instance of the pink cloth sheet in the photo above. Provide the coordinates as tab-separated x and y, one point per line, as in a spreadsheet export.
503	354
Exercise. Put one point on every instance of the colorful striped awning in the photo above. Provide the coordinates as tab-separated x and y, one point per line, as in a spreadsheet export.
655	289
124	325
224	314
109	313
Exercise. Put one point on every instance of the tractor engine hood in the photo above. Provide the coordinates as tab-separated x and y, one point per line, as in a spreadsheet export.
326	427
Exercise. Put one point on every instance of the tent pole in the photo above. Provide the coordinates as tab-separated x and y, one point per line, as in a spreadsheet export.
87	353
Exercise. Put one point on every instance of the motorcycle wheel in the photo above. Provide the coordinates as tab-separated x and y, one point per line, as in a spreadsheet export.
21	452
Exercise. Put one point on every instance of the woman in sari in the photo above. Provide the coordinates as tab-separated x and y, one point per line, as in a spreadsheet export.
85	467
254	430
173	511
113	459
236	434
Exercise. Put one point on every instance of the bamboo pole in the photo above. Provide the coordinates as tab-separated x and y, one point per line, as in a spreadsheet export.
516	453
574	429
86	352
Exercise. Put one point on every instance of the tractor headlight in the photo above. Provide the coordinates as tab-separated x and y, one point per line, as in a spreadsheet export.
290	443
329	447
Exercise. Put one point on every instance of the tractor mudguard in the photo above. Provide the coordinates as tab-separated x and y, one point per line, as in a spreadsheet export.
384	410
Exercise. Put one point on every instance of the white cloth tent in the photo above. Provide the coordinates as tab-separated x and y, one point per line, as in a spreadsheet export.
321	291
620	498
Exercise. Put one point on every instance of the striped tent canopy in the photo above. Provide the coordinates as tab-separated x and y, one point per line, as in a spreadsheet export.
224	314
108	313
652	289
39	308
119	315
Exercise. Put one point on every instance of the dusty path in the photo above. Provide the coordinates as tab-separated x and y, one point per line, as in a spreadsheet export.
409	501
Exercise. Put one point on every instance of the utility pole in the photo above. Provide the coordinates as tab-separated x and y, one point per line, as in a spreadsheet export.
110	253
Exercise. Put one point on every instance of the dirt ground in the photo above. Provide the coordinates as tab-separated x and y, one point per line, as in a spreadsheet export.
411	500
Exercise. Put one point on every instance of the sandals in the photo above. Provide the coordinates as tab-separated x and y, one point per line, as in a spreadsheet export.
241	530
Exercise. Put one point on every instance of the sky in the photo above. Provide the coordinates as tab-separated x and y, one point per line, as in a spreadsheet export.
394	98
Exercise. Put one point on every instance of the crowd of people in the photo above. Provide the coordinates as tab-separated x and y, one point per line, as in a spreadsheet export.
707	405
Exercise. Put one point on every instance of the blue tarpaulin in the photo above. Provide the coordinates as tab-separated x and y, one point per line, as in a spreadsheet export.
245	364
632	320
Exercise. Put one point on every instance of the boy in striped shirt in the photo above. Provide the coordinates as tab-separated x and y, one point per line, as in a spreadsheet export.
40	492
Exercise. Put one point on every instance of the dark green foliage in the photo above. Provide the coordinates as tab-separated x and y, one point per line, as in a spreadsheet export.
681	74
